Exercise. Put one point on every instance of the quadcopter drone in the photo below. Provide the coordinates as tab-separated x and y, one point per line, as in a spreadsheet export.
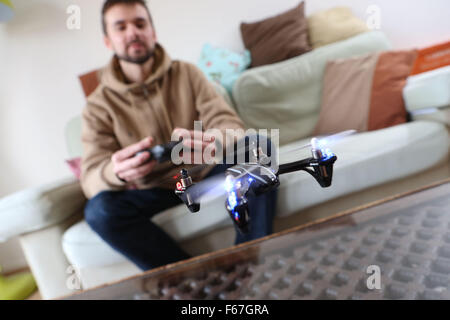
255	178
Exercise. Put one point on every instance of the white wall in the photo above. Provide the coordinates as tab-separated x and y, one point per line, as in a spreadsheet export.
40	60
184	27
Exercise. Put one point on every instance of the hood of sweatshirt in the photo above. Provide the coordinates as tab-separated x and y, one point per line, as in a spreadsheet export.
113	78
137	95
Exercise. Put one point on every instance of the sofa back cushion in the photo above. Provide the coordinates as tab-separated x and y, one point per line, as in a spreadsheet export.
72	131
346	90
387	107
364	93
333	25
432	58
277	38
287	95
89	81
222	66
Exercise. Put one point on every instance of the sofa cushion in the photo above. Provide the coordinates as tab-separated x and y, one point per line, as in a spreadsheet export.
72	133
287	95
387	107
89	81
364	93
75	166
223	66
364	160
347	86
84	248
434	57
333	25
277	38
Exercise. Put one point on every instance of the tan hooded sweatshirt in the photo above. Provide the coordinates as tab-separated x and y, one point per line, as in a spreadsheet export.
119	114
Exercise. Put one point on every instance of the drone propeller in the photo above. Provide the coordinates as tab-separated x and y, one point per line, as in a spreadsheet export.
251	147
207	189
213	187
322	142
196	168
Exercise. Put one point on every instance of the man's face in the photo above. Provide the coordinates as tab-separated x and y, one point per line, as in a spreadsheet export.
130	33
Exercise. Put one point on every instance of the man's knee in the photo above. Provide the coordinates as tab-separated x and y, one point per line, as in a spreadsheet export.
98	211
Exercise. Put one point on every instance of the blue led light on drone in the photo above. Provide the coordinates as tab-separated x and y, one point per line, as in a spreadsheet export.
232	200
327	154
322	143
236	215
229	183
250	180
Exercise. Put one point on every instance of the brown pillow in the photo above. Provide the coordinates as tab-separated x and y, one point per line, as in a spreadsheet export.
277	38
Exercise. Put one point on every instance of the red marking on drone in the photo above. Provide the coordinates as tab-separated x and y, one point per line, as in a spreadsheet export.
179	186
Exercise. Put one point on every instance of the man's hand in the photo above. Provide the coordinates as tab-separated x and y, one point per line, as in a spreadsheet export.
196	142
129	167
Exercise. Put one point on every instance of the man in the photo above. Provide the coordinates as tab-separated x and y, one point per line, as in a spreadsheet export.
144	98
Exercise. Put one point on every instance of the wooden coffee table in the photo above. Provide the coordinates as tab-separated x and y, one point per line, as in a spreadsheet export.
405	237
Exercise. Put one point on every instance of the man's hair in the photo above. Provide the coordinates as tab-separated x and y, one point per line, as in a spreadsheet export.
108	4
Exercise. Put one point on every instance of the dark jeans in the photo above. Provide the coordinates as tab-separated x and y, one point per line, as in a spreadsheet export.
122	219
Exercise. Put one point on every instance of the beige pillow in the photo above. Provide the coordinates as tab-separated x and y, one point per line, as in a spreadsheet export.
364	93
333	25
346	91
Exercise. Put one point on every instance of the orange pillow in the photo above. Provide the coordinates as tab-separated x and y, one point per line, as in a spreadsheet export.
387	107
432	58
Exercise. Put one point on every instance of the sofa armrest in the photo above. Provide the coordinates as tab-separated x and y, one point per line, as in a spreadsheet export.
441	115
427	96
40	207
426	90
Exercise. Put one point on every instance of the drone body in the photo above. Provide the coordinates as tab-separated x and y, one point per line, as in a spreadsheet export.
253	179
243	180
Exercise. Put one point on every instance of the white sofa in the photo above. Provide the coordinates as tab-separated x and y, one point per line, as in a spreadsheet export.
370	166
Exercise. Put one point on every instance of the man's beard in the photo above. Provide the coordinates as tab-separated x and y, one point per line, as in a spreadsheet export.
137	60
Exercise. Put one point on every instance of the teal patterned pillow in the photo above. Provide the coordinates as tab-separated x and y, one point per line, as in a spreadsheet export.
222	65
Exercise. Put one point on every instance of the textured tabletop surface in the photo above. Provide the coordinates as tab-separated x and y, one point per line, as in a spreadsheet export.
407	238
